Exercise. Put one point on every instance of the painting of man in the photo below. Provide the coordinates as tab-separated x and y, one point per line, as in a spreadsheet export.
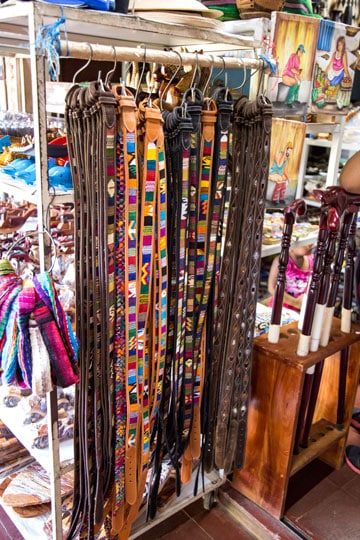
289	89
291	76
287	140
279	175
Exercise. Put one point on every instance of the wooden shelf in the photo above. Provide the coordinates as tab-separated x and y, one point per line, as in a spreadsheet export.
212	481
26	433
24	192
83	25
273	249
323	435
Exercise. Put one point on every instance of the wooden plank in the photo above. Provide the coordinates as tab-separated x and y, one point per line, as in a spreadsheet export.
323	435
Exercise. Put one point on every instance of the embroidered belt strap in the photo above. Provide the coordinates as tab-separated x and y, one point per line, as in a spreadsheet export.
108	106
125	353
203	274
223	106
161	284
182	398
178	127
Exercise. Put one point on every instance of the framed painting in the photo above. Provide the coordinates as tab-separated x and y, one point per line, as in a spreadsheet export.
293	47
335	62
287	141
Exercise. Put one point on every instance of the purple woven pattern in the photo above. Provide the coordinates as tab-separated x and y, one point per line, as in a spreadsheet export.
26	304
20	300
64	372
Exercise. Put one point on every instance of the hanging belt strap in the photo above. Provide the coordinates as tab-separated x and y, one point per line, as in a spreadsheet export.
234	387
247	284
223	106
226	284
183	401
126	243
240	404
158	365
81	480
178	127
203	273
108	106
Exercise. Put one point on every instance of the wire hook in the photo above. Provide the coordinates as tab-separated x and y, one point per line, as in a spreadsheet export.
171	80
86	65
142	73
206	85
223	68
244	78
112	71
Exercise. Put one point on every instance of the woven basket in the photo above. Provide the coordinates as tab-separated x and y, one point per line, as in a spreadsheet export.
259	8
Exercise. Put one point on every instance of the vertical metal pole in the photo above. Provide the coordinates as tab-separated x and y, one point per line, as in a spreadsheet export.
38	76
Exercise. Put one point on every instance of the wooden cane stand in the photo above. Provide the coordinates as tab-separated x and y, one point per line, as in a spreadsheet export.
277	385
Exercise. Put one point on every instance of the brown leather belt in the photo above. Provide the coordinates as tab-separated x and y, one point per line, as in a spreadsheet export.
235	319
92	110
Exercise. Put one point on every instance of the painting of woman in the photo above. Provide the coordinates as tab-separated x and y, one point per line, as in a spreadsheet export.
337	68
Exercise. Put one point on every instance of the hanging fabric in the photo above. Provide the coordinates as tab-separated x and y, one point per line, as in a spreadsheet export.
23	304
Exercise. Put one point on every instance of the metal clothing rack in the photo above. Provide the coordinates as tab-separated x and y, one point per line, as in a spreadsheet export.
138	54
19	26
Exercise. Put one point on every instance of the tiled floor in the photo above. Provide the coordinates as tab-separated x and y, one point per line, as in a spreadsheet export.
322	504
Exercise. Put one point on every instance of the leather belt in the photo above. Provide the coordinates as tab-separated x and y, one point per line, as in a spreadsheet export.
237	294
125	353
91	110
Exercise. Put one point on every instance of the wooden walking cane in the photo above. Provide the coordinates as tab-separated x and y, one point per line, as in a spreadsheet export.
333	223
314	378
296	207
309	394
330	307
346	320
